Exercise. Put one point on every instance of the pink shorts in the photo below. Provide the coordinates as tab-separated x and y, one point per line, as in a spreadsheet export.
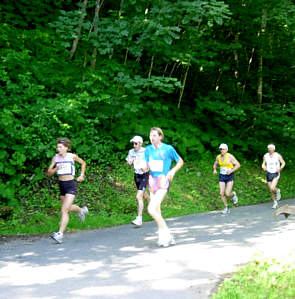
157	183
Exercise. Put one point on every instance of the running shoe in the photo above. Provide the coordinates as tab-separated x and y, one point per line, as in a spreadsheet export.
137	221
165	239
235	199
83	213
278	194
226	210
57	237
275	204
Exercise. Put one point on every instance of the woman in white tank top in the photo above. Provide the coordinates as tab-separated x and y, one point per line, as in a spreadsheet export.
273	163
63	164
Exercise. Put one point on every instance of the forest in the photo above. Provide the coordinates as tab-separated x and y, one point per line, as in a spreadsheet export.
100	72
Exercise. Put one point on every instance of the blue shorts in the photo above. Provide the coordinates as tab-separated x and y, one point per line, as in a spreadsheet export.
226	177
68	187
270	176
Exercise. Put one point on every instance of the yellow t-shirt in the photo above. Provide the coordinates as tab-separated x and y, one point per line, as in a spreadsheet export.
224	165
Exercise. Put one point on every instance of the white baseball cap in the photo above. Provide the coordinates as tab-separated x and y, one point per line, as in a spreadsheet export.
137	139
271	146
223	146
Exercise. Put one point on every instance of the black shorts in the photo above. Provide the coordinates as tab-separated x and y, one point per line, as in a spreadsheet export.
68	187
270	176
141	180
226	177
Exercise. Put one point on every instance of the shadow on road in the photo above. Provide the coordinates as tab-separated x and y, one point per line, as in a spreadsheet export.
126	262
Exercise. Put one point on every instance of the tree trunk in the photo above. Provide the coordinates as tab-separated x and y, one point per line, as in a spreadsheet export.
151	67
84	65
76	40
260	66
260	81
166	67
248	70
98	5
236	72
218	79
182	87
172	70
126	56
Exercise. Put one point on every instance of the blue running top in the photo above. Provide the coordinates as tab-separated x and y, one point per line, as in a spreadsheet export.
160	159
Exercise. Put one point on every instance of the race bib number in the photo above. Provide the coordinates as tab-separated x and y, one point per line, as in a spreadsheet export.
223	170
156	165
65	168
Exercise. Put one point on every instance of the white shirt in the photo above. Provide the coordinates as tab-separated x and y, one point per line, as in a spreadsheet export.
272	162
138	162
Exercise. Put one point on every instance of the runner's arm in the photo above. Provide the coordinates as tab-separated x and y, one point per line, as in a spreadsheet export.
52	169
145	167
83	167
264	164
236	163
129	160
215	165
172	172
283	163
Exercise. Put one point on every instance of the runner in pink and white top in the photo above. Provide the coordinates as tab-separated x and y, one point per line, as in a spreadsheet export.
63	164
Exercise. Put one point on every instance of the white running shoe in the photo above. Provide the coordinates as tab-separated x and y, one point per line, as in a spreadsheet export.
235	199
83	213
137	221
278	194
166	239
57	237
226	210
275	204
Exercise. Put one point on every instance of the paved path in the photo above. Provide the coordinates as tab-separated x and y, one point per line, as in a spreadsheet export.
124	262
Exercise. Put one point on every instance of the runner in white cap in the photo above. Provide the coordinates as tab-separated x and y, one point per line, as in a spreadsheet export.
228	165
136	158
273	163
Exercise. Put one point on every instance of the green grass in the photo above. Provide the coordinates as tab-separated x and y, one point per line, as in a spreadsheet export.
109	193
264	279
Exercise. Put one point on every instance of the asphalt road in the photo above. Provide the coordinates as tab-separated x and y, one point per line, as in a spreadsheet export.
125	262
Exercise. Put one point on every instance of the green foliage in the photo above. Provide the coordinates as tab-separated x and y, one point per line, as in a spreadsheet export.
31	14
260	279
131	62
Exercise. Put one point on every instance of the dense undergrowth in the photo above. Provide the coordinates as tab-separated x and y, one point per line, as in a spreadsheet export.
109	193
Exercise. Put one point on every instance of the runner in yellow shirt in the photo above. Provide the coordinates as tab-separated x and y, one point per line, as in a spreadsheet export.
228	165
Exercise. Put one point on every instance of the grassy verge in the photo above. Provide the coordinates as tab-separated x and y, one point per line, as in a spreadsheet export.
269	279
110	195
